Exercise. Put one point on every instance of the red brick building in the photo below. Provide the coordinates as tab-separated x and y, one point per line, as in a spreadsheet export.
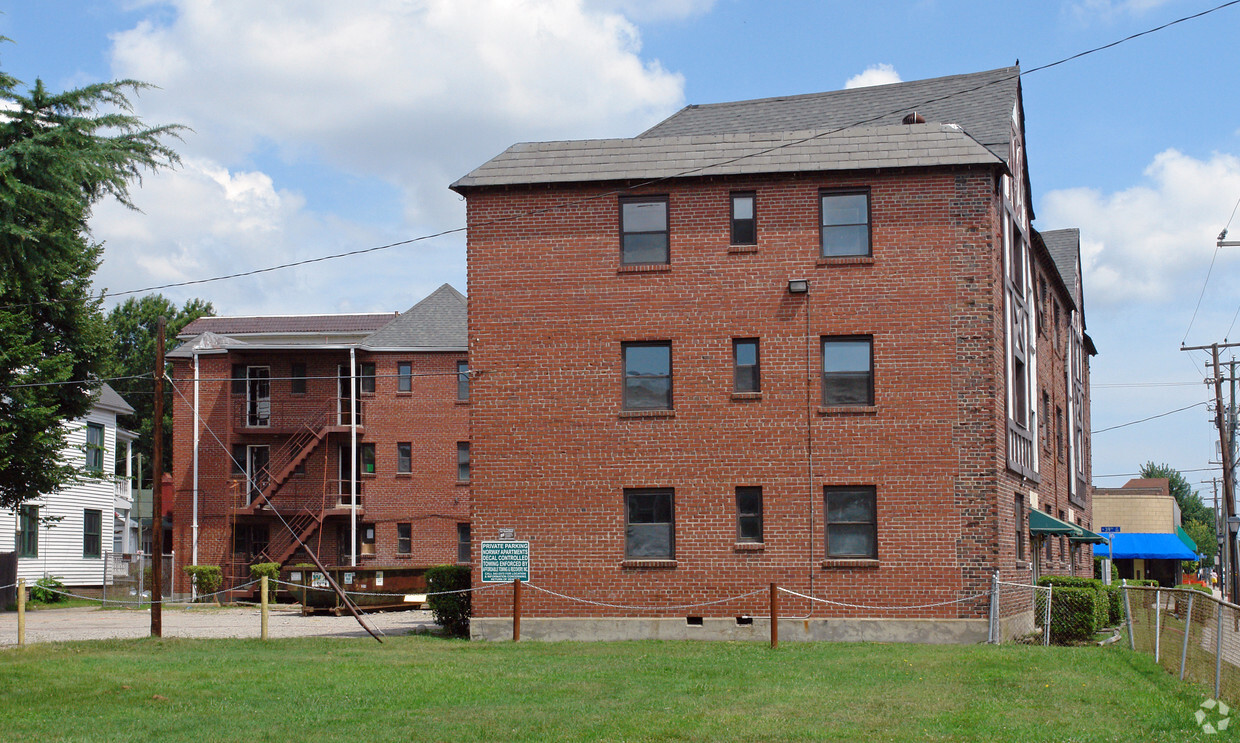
810	340
270	452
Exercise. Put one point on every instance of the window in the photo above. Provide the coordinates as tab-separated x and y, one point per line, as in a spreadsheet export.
28	531
643	230
852	530
297	374
92	533
1059	432
238	459
749	514
366	453
847	371
366	378
404	376
258	396
744	219
1020	387
94	447
649	531
845	224
1045	423
462	542
404	457
238	379
462	461
404	539
365	542
1020	526
745	376
462	381
647	376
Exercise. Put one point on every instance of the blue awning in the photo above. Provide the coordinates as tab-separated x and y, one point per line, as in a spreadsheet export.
1145	547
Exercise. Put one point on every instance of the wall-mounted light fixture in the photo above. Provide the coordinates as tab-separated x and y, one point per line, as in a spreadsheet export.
798	286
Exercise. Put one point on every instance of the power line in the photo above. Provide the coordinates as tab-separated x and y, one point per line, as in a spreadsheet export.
1140	474
1152	417
681	174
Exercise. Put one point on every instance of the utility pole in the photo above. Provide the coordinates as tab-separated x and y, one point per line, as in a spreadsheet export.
1223	423
157	492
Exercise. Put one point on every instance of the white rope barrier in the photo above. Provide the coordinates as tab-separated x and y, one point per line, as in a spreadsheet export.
644	608
885	608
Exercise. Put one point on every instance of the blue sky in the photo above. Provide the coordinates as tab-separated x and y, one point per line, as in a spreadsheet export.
320	127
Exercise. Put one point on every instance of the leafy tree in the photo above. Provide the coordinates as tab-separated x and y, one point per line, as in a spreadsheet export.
59	154
133	326
1205	537
1192	508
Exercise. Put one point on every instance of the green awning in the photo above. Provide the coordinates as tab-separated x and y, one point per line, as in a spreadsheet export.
1187	540
1044	524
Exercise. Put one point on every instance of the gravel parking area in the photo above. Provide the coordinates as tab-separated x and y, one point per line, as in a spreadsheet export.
85	623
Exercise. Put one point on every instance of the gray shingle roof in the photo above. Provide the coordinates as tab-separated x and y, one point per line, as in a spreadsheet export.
646	157
438	321
981	103
207	341
362	323
1065	249
109	399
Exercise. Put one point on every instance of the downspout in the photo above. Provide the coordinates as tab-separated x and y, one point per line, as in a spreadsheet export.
353	455
194	520
131	493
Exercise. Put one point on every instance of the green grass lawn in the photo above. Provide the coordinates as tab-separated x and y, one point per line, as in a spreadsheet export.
425	688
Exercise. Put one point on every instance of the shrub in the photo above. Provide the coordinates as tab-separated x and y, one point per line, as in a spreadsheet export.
269	569
452	610
1102	604
45	589
1196	587
1115	604
1073	615
206	578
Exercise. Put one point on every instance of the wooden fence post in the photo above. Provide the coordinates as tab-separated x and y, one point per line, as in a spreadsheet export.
516	609
263	601
21	612
774	616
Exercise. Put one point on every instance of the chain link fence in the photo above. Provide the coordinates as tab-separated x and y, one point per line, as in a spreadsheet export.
1190	633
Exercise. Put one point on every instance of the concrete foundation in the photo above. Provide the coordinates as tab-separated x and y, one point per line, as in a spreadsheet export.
926	631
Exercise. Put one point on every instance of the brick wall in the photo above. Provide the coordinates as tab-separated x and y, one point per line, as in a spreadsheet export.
550	305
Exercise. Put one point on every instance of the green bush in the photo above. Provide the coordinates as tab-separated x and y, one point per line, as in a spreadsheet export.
44	590
1102	604
206	578
1196	587
1115	604
452	610
1073	615
269	569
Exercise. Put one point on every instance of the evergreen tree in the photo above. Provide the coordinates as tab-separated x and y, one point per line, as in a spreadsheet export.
59	154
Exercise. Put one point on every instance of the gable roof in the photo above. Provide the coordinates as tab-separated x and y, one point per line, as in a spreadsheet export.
981	103
269	324
206	341
915	145
438	321
1065	249
110	399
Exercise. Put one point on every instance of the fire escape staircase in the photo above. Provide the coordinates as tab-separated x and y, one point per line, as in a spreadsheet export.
283	543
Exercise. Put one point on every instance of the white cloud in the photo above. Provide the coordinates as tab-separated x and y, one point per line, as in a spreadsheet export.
1108	10
1154	241
875	74
654	10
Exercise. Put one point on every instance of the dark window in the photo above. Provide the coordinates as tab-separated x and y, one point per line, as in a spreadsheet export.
238	379
1020	392
404	376
366	378
1059	431
845	224
744	219
238	459
847	370
745	370
462	542
1045	424
404	457
749	514
462	380
298	379
647	376
366	453
300	469
250	541
643	230
92	533
404	539
649	529
1020	526
852	530
28	531
94	447
462	461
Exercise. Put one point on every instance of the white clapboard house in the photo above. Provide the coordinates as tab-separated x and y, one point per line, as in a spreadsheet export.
67	533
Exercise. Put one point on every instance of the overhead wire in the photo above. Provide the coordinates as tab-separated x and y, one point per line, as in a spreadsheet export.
646	183
1150	418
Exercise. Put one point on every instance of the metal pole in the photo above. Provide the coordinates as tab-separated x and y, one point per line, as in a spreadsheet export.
21	612
1157	622
1218	650
263	602
107	557
516	609
353	455
774	616
1132	640
194	521
1046	620
994	608
1188	625
157	494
